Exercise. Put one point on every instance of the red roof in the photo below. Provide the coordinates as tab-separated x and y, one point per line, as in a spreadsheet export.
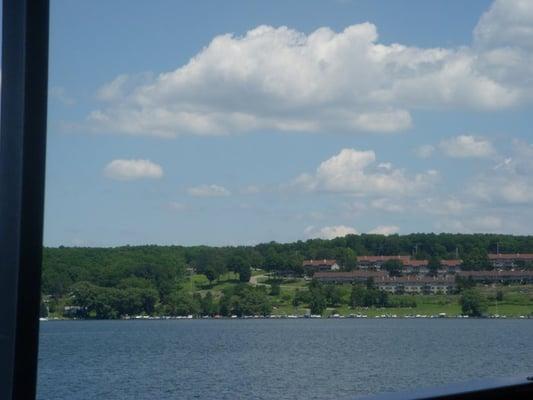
382	258
350	274
451	263
415	263
407	261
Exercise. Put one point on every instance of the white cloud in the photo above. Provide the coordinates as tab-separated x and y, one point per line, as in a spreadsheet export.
507	187
208	191
127	170
424	151
281	79
354	172
385	230
385	204
507	23
467	146
503	39
510	182
330	232
443	206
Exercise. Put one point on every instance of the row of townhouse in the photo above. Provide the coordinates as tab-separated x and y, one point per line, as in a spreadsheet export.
419	267
497	261
355	276
418	284
409	264
311	266
505	276
510	260
403	284
422	284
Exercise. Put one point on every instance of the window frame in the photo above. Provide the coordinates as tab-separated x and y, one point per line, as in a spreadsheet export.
24	89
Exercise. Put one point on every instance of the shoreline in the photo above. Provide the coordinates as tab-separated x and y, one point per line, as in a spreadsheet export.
291	317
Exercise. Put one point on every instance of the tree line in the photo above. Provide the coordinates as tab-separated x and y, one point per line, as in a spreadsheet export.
146	279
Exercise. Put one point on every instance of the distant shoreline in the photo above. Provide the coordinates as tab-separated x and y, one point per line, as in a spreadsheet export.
287	317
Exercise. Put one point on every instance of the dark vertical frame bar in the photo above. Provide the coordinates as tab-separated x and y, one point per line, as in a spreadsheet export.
22	166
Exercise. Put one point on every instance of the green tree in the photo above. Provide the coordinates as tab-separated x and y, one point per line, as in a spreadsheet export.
184	304
346	258
464	283
382	299
371	298
301	297
225	305
275	289
473	303
212	274
296	298
434	265
476	260
207	305
333	295
245	273
317	303
393	267
370	283
357	296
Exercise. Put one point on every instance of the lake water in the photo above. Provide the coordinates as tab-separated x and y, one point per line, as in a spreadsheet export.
273	359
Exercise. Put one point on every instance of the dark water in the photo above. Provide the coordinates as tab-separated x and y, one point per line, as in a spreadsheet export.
273	359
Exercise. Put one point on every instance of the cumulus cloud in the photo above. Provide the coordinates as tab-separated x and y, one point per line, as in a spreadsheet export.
511	181
467	146
127	170
355	172
507	23
504	188
277	78
385	230
503	39
208	191
330	232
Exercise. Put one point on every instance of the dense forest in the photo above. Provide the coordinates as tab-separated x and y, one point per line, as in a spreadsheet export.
110	282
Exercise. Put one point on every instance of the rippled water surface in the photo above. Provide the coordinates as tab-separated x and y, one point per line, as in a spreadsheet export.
273	359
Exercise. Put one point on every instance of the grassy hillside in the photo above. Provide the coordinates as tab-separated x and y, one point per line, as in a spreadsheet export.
517	300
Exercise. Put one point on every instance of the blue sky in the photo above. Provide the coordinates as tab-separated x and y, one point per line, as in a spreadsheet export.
241	122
